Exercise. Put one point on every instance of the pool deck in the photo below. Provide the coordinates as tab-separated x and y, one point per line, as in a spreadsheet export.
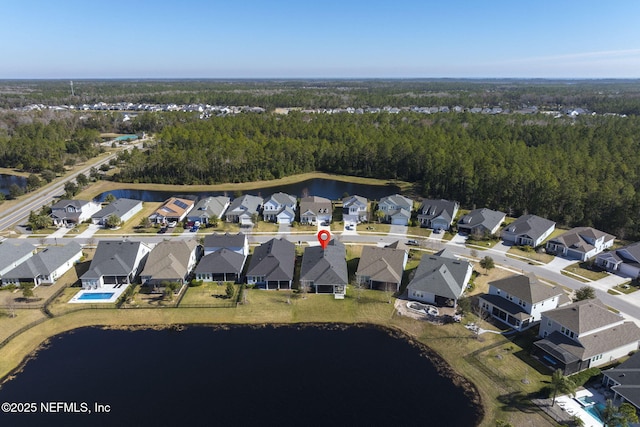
117	290
573	408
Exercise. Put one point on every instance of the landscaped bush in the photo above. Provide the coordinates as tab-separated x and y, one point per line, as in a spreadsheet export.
195	283
581	378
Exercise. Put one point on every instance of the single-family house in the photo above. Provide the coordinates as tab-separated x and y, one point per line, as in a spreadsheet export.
122	208
315	209
234	242
243	209
440	279
280	208
580	243
528	230
71	212
355	209
396	209
381	268
272	265
223	265
624	261
481	222
520	300
115	263
325	270
208	207
584	335
437	214
170	261
46	266
12	255
624	381
174	209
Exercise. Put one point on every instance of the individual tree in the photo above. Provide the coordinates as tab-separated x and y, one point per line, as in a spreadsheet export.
48	175
561	384
93	173
214	221
15	191
230	290
27	289
113	221
82	180
145	222
109	198
380	215
487	263
618	416
71	189
464	305
585	292
33	182
628	414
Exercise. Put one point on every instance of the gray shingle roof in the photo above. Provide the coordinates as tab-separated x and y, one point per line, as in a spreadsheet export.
283	199
527	288
64	203
484	217
274	260
381	264
325	266
118	207
531	225
113	259
575	238
627	374
398	200
169	259
315	204
583	316
210	206
221	261
44	262
225	240
10	252
431	209
247	203
441	276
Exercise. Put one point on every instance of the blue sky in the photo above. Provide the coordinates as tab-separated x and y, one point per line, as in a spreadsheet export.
319	39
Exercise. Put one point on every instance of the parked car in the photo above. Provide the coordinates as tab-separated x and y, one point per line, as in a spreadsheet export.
162	230
194	229
325	224
173	224
412	242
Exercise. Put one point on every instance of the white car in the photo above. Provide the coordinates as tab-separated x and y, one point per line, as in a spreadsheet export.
173	224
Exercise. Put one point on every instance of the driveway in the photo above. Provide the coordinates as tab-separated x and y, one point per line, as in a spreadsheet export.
502	247
458	239
284	228
400	230
90	231
558	264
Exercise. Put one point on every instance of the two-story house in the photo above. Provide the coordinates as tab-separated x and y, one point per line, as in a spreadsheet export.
244	210
234	242
279	208
437	214
583	335
224	259
520	300
315	209
580	243
355	209
396	209
67	213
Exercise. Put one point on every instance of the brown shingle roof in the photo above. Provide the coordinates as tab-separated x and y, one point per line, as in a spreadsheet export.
526	288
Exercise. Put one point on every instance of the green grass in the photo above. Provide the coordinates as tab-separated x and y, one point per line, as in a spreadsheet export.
374	228
574	277
533	255
418	231
627	288
208	293
582	269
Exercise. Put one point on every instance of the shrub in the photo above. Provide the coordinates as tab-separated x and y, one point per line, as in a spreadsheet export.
581	378
195	283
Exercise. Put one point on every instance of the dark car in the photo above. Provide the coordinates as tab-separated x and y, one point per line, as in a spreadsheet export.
162	230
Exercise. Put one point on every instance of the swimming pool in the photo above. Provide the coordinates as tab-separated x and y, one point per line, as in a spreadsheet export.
586	400
595	411
96	296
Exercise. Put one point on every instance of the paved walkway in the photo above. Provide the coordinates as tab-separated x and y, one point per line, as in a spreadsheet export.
60	232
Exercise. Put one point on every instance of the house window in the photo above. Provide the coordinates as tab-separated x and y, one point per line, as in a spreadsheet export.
548	322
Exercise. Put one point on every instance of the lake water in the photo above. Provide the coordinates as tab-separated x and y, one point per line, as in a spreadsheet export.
328	188
7	180
241	376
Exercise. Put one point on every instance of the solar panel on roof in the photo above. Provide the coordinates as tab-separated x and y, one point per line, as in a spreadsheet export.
180	203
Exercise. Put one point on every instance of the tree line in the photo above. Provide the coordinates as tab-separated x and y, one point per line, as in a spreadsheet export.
576	172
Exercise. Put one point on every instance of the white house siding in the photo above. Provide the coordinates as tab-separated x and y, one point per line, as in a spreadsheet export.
127	216
612	355
64	268
422	296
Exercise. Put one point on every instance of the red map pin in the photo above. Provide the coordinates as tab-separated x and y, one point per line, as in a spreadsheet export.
323	237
